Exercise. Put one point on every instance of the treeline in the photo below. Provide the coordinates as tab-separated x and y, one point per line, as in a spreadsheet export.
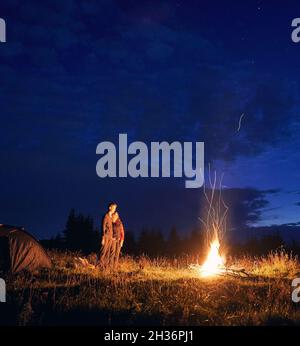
259	246
80	234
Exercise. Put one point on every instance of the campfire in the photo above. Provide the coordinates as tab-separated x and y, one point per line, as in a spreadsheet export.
214	225
214	263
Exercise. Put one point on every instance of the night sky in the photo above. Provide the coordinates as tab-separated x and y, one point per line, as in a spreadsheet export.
76	73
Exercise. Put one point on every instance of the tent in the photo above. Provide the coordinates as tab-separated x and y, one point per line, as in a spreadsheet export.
21	251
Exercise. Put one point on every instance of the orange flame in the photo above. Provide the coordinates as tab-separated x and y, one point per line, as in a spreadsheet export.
214	263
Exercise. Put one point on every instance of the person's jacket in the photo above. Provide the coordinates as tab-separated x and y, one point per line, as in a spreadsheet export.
107	226
118	230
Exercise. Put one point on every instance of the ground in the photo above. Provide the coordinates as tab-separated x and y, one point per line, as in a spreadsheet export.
154	292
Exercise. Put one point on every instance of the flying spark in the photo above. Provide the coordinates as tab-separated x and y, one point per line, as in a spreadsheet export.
240	122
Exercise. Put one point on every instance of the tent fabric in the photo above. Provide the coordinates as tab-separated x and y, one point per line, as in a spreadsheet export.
25	252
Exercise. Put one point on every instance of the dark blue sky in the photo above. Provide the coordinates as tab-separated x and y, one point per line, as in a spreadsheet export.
75	73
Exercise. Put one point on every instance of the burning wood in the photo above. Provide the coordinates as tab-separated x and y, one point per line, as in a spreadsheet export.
222	271
215	265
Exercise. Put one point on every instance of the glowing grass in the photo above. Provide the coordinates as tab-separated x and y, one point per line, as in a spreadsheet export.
158	291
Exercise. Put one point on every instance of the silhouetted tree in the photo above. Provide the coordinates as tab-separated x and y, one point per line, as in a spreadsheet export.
271	242
130	245
295	247
173	243
252	247
195	243
79	233
151	243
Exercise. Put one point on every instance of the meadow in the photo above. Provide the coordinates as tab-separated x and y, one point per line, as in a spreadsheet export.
157	291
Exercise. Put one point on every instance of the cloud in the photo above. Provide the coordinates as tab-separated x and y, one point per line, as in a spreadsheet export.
246	205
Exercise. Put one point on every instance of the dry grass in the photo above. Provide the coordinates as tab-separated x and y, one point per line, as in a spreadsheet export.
277	264
159	291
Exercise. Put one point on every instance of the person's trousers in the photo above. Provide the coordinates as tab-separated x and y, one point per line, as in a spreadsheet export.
105	258
117	249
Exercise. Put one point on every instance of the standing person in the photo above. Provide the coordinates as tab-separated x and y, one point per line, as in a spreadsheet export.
105	258
118	236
